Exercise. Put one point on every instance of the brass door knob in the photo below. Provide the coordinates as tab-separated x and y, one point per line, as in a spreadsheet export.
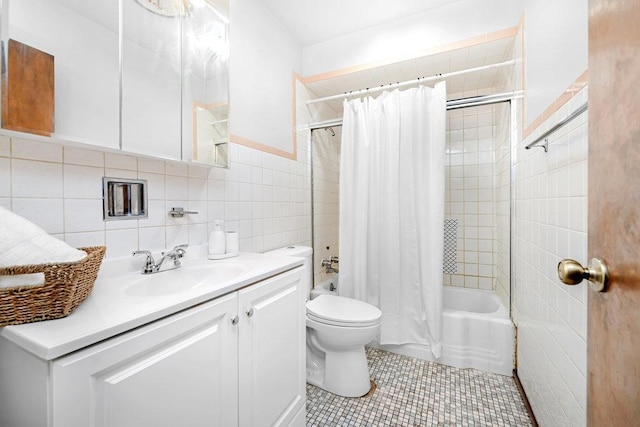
571	272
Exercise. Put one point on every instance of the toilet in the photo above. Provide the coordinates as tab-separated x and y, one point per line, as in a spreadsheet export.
338	328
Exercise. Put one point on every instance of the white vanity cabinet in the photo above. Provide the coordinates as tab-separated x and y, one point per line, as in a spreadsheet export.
180	370
237	360
272	352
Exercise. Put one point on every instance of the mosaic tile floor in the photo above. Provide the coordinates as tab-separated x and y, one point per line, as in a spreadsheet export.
414	392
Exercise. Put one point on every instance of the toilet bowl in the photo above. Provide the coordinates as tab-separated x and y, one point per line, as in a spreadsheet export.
338	328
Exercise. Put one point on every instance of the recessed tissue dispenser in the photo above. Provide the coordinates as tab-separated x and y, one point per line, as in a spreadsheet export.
124	198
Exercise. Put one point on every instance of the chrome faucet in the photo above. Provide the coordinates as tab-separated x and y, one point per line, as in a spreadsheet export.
175	254
328	264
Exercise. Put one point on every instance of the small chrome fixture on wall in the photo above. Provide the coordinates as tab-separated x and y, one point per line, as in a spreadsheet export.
180	212
328	264
124	198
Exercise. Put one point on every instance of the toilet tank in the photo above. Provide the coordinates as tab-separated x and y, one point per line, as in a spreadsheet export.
298	251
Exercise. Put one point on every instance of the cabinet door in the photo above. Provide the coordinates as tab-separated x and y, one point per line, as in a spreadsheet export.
179	371
272	350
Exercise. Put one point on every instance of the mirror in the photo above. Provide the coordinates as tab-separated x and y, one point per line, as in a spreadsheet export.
211	134
82	40
151	73
156	86
205	53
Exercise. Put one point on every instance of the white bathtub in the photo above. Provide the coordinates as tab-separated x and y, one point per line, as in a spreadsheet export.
476	333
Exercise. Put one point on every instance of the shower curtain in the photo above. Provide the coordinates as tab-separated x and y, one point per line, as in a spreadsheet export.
392	210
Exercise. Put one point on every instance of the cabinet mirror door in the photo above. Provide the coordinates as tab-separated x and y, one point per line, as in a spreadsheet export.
151	77
205	53
60	69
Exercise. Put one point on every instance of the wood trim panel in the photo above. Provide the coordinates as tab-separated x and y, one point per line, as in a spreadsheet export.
28	90
566	95
262	147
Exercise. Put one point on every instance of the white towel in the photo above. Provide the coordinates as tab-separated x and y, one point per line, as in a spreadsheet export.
24	243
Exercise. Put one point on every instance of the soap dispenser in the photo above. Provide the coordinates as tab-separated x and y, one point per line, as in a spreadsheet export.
217	240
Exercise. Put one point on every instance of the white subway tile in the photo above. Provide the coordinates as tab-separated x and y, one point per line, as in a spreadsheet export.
36	179
45	213
82	182
36	150
176	188
176	169
83	157
5	146
152	238
121	243
82	240
215	211
5	177
199	171
244	192
197	189
244	173
157	214
120	173
155	185
120	161
83	215
177	235
151	165
198	234
200	206
216	190
231	211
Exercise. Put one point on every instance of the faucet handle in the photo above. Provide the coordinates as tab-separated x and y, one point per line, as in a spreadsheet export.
180	249
335	260
149	263
143	252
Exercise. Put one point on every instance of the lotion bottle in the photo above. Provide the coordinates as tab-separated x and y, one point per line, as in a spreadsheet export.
217	239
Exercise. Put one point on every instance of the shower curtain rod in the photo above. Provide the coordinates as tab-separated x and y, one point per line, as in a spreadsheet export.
452	104
411	82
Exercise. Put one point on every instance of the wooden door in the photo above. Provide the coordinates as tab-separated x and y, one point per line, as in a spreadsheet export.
613	344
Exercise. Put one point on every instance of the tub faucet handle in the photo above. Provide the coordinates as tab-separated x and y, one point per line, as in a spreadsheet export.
328	265
335	260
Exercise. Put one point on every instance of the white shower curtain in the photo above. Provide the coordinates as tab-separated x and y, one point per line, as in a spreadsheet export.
392	210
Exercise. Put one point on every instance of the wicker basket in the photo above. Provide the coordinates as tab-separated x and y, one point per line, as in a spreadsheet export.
65	286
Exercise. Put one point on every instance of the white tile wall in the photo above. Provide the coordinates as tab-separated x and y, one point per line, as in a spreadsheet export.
326	198
502	196
551	224
469	194
326	155
60	189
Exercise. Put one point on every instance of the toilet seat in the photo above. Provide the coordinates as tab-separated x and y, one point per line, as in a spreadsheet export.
341	311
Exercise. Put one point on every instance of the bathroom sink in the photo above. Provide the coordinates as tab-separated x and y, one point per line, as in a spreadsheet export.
190	276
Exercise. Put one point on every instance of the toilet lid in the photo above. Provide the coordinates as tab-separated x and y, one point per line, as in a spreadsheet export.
341	310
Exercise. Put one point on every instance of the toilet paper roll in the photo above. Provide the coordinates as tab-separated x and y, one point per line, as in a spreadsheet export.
232	242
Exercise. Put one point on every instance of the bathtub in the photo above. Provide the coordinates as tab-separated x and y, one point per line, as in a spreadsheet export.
476	332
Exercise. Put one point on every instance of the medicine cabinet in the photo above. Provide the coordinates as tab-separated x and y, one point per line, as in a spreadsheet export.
125	75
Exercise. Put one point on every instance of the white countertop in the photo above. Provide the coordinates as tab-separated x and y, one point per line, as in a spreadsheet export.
112	308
